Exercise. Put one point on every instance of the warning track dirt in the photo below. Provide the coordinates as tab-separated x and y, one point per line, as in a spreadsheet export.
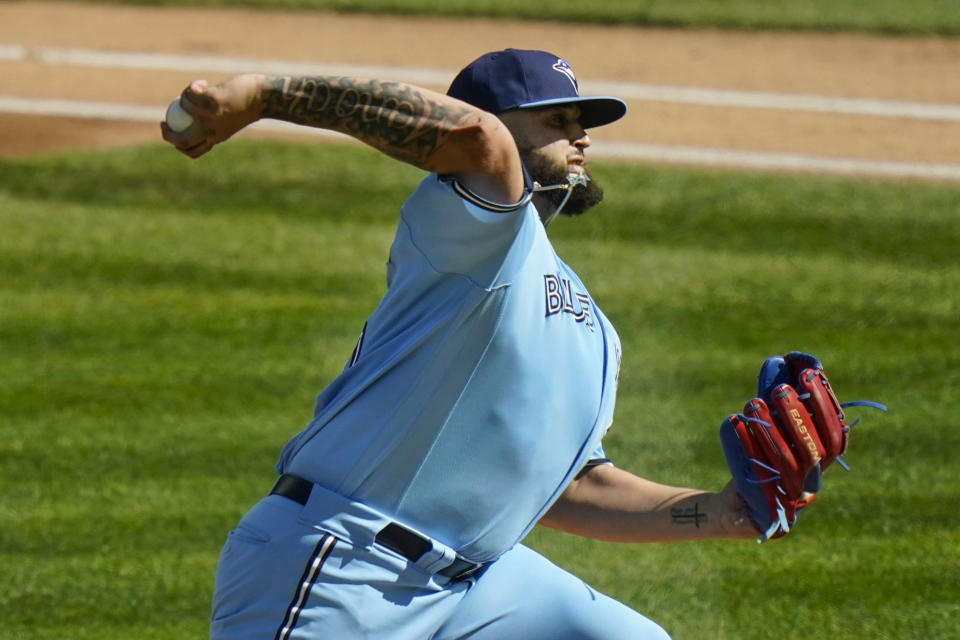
76	76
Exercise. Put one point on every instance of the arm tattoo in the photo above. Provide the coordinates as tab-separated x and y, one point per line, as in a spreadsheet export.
396	118
688	515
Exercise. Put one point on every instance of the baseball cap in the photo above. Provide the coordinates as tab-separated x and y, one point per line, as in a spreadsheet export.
528	79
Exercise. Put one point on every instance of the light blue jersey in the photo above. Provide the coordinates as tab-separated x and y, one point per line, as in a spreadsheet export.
483	382
482	385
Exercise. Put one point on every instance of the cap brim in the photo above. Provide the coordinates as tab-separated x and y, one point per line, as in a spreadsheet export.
595	111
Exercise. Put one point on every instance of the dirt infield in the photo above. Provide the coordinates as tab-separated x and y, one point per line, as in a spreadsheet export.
914	70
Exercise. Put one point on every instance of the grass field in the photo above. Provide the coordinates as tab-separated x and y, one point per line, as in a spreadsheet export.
165	325
880	16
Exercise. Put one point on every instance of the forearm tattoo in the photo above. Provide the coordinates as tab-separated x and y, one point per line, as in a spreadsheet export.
396	118
688	516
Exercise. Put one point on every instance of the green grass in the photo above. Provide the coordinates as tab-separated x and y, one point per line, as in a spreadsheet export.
924	17
165	325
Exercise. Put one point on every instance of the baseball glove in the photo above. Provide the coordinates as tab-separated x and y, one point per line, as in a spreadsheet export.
784	439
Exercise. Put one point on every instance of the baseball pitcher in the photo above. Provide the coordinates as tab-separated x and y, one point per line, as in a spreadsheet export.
475	402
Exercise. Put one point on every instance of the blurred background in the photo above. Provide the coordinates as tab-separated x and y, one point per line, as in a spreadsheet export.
787	177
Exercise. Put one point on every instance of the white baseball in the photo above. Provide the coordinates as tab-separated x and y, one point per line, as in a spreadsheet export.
178	119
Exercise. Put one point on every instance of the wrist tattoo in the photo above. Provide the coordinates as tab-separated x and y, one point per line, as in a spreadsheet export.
688	516
397	118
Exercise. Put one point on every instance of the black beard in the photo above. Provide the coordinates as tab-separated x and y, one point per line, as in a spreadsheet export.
581	198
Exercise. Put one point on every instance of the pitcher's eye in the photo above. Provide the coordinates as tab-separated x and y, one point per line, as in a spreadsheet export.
558	120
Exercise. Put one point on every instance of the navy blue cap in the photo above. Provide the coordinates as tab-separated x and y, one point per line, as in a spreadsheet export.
523	79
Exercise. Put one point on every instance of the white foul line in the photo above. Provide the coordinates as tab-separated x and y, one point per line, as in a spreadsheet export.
440	78
783	101
600	149
774	160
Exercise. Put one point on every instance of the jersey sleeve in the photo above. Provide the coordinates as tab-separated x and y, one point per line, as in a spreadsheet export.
462	233
598	457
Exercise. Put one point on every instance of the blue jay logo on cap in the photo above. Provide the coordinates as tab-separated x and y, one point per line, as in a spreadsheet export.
563	67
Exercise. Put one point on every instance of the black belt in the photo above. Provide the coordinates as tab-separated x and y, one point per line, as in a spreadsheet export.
407	543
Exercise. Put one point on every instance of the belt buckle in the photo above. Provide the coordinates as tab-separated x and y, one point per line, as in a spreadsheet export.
413	547
472	568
